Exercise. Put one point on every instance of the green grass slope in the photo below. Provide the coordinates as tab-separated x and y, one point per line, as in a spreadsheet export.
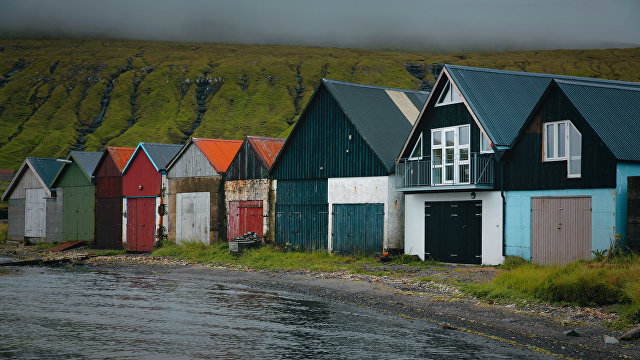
59	95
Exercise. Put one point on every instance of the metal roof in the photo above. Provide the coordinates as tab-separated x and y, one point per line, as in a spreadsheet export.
159	154
120	156
45	170
381	121
87	161
219	152
612	111
502	100
267	148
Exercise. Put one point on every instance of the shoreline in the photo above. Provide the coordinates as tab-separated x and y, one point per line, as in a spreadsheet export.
537	327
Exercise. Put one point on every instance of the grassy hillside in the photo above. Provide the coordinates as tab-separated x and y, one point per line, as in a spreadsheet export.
59	95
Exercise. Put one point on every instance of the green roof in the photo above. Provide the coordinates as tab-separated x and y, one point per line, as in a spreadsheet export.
502	100
379	119
612	111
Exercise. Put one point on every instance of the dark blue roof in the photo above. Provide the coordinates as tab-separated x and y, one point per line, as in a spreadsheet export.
379	118
612	111
45	168
159	154
502	100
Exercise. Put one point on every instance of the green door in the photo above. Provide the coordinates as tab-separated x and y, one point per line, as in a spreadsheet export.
78	213
358	228
453	231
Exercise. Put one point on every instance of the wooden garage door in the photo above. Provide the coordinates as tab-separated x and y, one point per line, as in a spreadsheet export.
34	220
302	227
358	228
141	223
453	231
245	216
193	217
109	223
78	213
560	229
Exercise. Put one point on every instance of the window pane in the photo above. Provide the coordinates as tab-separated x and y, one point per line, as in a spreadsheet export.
417	150
448	156
562	146
455	97
549	153
463	176
464	154
464	135
437	156
485	144
437	175
437	137
448	137
575	151
444	97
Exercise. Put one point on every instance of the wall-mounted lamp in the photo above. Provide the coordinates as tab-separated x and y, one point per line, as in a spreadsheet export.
350	137
140	187
473	195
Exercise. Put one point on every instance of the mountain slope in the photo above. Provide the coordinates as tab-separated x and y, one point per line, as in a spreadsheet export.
59	95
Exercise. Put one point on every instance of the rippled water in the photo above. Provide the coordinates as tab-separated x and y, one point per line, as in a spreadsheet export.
74	312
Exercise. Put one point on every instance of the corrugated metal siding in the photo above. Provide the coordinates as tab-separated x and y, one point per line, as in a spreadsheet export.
525	170
246	165
321	142
245	216
192	162
109	223
358	228
219	152
266	148
560	229
302	211
54	218
16	219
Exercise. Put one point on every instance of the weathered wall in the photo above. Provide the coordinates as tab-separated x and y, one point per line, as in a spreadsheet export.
16	219
518	218
217	216
240	190
414	231
54	218
371	190
191	163
28	180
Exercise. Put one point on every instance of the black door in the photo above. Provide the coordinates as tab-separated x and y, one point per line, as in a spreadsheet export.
453	231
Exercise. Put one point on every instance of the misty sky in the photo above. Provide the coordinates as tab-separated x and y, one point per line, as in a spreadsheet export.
378	24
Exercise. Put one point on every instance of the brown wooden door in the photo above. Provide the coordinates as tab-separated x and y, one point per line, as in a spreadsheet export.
109	223
560	229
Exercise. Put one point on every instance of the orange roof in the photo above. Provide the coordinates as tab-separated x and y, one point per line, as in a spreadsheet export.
219	152
266	147
121	156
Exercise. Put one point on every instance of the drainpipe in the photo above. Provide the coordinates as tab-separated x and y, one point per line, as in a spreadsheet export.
504	208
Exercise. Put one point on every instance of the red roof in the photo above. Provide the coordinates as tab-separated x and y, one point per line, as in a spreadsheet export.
266	147
120	156
219	152
6	172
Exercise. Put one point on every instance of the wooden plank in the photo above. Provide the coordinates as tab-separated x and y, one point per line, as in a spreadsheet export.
65	246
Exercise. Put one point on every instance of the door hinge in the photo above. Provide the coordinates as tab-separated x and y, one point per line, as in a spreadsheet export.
454	255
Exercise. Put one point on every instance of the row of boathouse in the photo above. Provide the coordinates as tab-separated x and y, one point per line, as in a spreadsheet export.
489	163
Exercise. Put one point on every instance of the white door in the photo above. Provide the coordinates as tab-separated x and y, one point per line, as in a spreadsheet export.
192	217
34	216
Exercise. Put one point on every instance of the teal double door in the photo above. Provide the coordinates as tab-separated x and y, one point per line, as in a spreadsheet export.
358	228
453	231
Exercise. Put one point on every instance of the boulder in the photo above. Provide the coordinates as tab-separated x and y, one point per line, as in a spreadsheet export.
633	334
610	339
572	333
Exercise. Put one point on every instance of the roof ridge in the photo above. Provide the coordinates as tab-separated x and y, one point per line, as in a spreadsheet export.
120	148
545	75
264	137
209	139
331	81
600	85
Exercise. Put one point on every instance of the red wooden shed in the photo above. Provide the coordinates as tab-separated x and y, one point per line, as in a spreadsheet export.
108	178
143	189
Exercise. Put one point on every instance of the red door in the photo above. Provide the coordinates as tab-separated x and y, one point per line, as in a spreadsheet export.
141	223
244	217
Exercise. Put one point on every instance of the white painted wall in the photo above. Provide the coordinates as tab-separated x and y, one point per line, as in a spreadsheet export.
370	190
243	190
491	222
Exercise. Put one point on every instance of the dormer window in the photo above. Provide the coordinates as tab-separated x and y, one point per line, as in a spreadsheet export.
562	141
416	154
449	95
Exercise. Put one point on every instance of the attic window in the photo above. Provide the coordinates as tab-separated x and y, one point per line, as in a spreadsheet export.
449	95
416	154
563	141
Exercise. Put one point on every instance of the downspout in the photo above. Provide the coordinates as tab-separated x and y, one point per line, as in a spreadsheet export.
504	208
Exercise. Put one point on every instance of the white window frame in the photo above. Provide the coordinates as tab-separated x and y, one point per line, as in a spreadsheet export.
457	163
483	139
442	99
418	143
568	125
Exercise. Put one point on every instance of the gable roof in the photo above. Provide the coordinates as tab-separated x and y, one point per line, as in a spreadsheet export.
612	111
87	161
266	148
219	152
45	170
381	119
120	156
502	100
159	154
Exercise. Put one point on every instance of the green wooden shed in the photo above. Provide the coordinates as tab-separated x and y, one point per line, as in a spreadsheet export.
74	183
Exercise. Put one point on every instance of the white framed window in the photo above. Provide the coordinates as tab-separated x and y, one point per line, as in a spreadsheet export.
562	141
449	95
450	155
416	154
485	144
